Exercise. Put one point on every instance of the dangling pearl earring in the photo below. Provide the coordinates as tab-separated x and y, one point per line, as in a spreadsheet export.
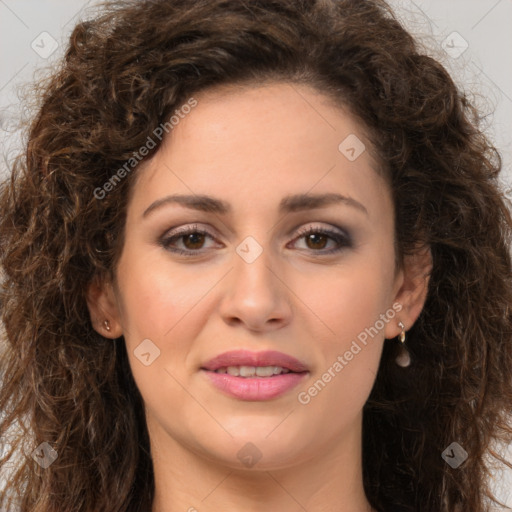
106	323
403	359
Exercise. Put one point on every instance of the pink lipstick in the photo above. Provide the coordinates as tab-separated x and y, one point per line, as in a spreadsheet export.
254	376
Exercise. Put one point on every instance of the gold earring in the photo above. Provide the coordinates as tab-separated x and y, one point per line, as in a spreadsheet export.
106	323
403	359
402	334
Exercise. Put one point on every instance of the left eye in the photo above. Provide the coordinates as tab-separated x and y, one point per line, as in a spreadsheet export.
317	238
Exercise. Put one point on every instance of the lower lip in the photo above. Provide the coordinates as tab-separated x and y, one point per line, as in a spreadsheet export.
255	388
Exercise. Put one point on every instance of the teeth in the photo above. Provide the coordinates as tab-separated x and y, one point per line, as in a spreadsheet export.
253	371
233	370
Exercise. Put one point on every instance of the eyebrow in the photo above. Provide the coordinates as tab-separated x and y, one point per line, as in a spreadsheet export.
291	203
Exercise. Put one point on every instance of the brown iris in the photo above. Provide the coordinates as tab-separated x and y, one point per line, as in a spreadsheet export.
196	240
315	238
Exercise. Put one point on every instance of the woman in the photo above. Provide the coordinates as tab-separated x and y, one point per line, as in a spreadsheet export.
255	258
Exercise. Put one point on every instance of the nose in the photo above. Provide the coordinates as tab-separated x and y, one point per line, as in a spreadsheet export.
255	295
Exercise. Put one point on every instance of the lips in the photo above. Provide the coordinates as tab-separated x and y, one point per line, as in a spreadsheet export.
256	359
291	372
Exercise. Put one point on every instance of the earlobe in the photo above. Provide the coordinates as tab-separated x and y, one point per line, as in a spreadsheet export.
103	308
413	290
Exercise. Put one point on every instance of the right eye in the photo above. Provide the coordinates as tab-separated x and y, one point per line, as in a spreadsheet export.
190	238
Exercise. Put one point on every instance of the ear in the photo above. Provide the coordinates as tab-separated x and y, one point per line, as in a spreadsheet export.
411	286
102	305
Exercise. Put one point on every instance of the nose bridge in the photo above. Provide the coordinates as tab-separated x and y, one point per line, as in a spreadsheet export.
255	295
253	264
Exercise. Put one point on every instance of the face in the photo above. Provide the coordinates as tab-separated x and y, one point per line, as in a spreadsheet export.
280	237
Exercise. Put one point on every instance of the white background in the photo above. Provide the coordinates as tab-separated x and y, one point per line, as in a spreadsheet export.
483	70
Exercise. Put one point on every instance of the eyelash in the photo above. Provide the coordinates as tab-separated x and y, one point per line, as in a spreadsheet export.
344	241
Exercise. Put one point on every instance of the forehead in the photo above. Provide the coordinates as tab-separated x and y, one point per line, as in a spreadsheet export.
255	144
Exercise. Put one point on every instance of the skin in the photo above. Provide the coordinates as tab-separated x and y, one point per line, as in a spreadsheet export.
251	146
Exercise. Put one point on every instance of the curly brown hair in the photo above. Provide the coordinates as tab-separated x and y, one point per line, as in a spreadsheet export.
125	73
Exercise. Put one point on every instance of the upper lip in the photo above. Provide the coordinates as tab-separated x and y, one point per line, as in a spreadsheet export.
248	358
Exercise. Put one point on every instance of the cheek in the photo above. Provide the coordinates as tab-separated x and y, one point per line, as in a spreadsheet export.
350	306
350	298
346	372
157	297
165	306
170	306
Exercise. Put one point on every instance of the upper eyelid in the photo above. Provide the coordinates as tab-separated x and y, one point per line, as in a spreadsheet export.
330	229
